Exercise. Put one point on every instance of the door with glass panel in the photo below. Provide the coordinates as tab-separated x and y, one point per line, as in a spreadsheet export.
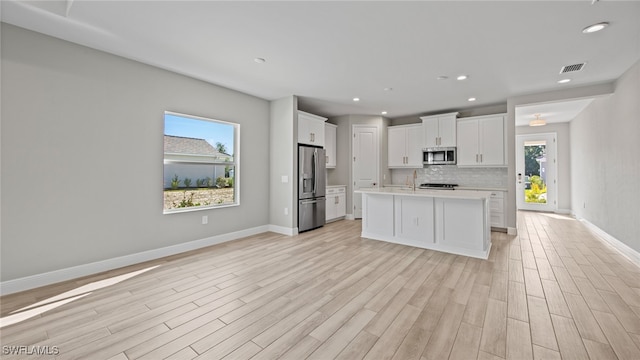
536	181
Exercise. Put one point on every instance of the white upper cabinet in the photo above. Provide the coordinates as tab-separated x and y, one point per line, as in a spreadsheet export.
405	143
310	129
439	130
481	141
330	132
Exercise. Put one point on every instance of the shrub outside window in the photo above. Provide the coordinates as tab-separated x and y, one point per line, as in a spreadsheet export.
200	163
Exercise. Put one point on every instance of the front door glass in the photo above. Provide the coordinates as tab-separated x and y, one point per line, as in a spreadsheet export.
535	172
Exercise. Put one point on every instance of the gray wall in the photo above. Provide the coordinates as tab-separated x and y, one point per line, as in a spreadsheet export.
604	159
82	150
563	162
284	139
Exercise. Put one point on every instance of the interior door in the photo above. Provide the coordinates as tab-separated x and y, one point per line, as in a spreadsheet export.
366	160
536	179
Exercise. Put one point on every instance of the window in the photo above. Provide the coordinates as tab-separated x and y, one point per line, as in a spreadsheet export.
200	163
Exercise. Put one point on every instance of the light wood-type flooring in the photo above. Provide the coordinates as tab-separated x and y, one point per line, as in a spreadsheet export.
553	292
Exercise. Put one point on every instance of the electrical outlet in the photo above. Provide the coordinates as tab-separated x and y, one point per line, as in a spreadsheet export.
286	211
205	219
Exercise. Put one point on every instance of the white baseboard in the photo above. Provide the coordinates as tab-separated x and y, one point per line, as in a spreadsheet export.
283	230
564	211
349	217
622	248
52	277
512	231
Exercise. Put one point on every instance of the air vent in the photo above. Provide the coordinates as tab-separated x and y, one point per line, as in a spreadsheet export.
572	68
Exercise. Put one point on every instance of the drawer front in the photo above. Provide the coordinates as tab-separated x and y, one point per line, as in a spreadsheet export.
496	205
497	220
332	191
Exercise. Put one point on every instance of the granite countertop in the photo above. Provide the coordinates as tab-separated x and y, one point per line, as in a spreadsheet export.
335	186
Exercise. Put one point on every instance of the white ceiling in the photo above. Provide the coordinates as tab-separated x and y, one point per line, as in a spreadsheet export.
330	52
551	112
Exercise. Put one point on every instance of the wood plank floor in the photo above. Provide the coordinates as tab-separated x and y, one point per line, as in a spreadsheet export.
553	292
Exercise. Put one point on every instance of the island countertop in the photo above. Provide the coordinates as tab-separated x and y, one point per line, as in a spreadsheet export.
444	194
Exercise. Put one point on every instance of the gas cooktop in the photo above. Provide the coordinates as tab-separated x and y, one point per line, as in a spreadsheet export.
438	186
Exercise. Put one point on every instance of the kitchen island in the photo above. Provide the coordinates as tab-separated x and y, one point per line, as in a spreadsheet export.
454	221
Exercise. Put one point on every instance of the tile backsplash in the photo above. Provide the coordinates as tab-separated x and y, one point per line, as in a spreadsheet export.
469	177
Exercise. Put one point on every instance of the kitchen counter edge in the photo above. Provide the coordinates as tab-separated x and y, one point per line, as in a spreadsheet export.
449	194
473	188
335	186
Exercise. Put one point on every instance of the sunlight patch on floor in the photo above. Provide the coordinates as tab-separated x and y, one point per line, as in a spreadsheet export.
66	297
16	318
557	216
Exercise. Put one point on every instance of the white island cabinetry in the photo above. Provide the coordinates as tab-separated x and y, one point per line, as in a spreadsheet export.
451	221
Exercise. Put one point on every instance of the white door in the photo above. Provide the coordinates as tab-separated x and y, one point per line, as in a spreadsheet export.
366	155
536	176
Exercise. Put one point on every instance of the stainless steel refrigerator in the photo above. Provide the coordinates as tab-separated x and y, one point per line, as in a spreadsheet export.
311	187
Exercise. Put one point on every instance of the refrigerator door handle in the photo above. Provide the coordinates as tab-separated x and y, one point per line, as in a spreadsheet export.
315	166
308	202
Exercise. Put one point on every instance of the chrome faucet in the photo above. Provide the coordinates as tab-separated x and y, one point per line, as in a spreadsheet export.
415	175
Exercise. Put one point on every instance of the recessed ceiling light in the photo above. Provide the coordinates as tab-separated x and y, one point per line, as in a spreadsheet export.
471	99
563	81
388	89
442	77
259	60
384	113
595	27
356	99
462	77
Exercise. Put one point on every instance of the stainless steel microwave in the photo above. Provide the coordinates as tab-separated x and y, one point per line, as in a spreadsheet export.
439	156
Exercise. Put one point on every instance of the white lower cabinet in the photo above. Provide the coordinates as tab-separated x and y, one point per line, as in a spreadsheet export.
336	203
497	210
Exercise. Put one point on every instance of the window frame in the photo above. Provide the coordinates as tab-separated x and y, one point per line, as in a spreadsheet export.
235	163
